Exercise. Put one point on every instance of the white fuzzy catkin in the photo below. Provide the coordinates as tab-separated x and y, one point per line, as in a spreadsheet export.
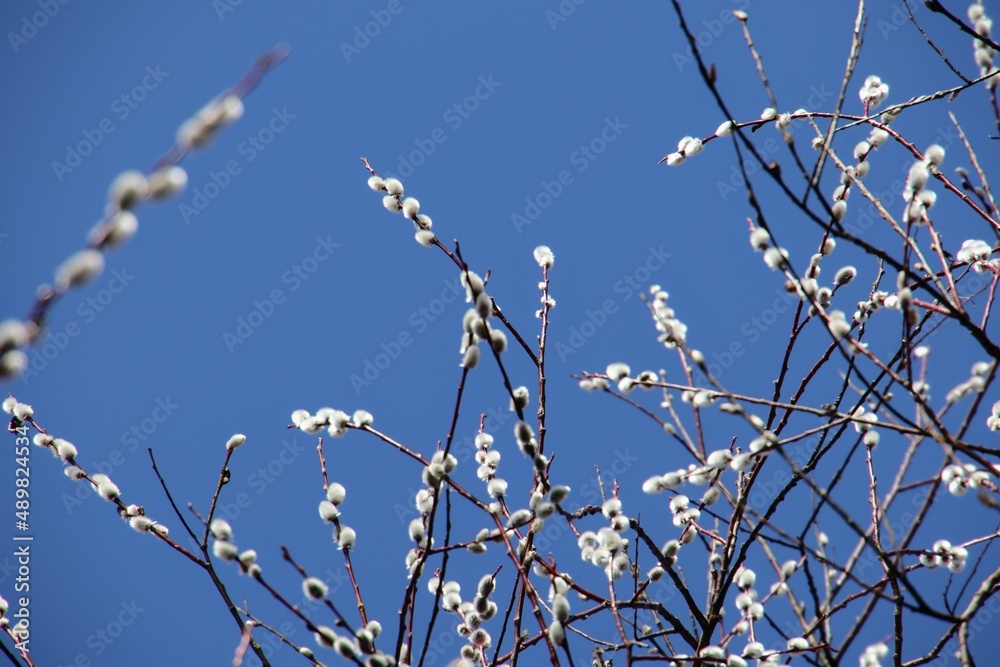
617	370
557	634
391	204
346	537
221	530
114	231
225	550
484	305
934	154
79	269
759	238
127	190
775	258
845	275
473	284
13	363
393	186
167	181
410	207
839	326
519	398
141	524
13	333
65	449
235	441
498	341
544	256
471	358
496	487
107	489
690	146
336	493
559	494
328	511
314	588
873	92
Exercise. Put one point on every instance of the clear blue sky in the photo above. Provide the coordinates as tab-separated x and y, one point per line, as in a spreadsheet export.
483	110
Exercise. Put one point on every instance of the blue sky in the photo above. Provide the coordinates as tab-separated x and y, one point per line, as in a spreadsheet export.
277	280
